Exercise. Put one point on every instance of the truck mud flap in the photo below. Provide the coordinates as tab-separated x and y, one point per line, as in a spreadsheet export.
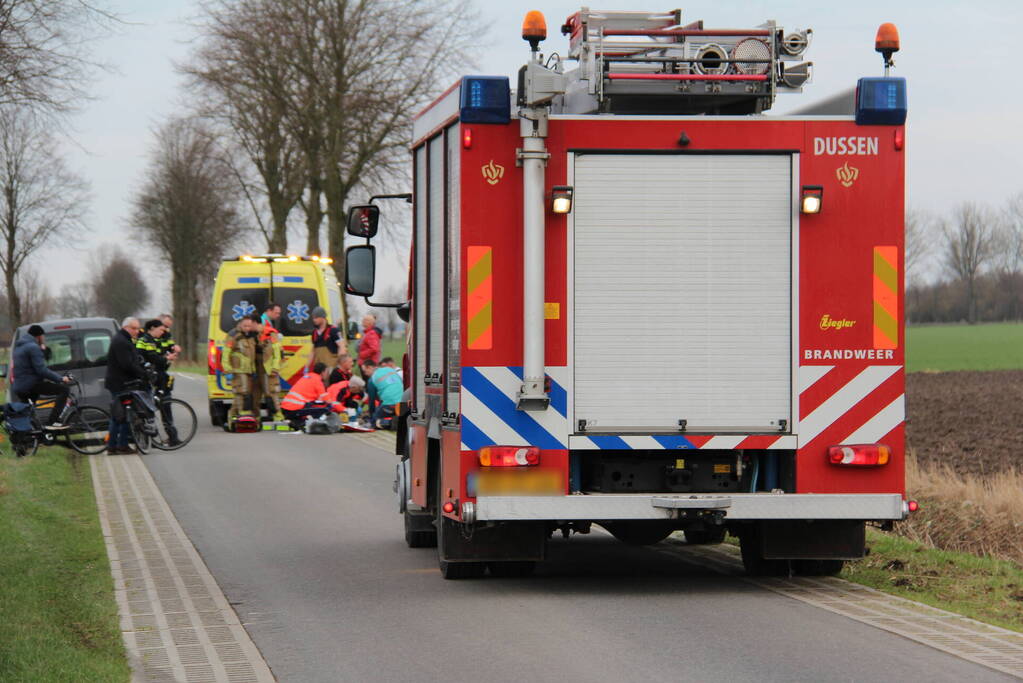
496	543
822	539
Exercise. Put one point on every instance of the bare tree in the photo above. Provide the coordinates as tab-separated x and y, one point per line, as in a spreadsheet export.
349	74
241	70
74	301
918	243
41	200
187	211
36	302
969	246
43	61
119	289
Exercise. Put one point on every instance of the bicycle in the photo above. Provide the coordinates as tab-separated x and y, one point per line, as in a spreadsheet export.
87	427
139	412
176	422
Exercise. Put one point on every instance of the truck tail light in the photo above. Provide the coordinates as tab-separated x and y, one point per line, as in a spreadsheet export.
865	455
509	456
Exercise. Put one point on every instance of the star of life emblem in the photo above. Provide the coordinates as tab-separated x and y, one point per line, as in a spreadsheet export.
241	309
298	312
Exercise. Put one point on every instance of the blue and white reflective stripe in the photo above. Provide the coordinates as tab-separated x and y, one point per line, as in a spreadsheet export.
265	279
624	442
489	415
254	280
288	278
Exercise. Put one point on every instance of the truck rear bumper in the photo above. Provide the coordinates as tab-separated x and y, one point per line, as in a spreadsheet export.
736	506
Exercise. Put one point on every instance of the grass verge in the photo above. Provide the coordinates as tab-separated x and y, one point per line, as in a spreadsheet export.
982	588
938	348
59	619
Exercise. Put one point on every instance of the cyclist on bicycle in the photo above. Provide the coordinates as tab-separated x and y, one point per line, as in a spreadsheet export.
33	379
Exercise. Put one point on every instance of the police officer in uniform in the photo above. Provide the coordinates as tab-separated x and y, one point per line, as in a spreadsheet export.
154	351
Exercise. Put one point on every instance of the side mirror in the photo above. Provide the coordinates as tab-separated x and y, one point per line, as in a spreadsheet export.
3	370
353	329
403	311
362	220
360	270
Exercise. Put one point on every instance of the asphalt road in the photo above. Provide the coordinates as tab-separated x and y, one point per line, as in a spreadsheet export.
302	534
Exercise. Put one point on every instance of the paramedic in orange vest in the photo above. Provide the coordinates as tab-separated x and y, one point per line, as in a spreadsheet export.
305	391
341	396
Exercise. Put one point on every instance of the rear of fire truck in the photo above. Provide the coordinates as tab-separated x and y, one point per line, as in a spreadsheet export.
639	302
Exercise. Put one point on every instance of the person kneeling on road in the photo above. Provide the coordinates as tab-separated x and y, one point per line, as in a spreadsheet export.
344	396
383	384
302	400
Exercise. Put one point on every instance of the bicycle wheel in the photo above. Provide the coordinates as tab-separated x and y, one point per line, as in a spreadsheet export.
175	424
88	429
139	432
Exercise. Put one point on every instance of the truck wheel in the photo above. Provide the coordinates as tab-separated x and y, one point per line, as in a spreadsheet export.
639	533
511	570
817	567
419	530
705	535
753	559
452	570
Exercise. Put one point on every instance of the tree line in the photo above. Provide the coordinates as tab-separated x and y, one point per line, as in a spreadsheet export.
294	110
974	255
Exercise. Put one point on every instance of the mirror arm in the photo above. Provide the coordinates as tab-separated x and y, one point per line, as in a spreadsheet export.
407	196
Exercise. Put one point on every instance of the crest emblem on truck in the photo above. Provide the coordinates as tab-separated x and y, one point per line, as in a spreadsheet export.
493	172
847	174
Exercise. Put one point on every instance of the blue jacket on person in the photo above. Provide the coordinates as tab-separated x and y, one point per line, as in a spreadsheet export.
29	366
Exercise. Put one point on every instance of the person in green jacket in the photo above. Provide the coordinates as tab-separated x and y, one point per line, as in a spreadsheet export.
273	354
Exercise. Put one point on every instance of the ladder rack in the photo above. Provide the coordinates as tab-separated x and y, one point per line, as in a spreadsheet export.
649	62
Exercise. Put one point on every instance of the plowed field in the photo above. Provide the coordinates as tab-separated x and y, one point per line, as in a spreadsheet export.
972	421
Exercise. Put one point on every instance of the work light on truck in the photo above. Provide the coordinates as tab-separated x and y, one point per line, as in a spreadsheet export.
561	198
812	198
509	456
867	455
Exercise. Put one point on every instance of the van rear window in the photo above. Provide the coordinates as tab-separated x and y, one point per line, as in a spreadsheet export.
297	305
235	304
77	349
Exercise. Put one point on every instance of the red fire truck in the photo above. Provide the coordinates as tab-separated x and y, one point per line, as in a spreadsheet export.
637	301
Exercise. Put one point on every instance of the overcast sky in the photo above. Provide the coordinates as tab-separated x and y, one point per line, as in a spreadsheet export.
964	138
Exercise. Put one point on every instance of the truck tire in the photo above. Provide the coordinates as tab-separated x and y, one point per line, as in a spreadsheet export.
452	570
511	570
705	535
419	530
639	533
753	559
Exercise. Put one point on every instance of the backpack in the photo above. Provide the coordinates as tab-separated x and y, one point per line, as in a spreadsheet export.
18	418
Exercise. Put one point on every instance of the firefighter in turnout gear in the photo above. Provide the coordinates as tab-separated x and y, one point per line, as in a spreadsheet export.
244	362
270	340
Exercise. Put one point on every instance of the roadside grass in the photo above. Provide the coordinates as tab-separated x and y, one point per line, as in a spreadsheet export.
58	617
939	348
189	367
982	588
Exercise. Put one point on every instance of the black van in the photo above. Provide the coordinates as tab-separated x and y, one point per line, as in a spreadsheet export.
78	346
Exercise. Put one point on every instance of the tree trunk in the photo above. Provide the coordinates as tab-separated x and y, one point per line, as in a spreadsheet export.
278	243
336	225
314	215
13	300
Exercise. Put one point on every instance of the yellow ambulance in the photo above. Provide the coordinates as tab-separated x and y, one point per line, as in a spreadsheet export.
244	286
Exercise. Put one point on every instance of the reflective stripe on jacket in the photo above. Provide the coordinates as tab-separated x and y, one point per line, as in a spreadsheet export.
307	389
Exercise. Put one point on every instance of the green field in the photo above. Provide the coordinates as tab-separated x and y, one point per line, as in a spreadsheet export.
937	348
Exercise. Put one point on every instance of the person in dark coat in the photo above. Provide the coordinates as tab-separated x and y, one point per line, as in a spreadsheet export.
33	379
123	366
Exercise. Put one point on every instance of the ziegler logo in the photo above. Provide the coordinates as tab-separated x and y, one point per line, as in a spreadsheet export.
846	174
493	172
829	323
